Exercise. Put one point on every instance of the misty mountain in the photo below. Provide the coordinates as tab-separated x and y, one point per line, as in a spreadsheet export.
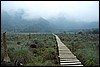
16	23
66	25
41	25
6	24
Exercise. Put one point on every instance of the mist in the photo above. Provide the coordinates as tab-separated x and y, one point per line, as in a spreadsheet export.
48	16
77	10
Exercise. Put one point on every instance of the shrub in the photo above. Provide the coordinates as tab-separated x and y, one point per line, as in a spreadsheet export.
84	47
21	55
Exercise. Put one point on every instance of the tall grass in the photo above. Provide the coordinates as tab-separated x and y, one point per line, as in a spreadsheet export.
43	55
83	46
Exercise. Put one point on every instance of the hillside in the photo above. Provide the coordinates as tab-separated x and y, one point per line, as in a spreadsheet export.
16	23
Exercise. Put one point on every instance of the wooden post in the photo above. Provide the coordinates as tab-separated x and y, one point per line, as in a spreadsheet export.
29	36
4	42
6	57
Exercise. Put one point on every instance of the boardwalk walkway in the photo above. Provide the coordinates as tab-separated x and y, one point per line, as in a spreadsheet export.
67	58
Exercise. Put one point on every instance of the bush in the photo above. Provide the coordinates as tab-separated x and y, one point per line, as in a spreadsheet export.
31	57
21	55
84	47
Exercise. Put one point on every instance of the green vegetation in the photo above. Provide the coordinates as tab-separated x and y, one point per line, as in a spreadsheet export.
84	46
19	49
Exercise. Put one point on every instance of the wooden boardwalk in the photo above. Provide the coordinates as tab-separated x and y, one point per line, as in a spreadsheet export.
67	58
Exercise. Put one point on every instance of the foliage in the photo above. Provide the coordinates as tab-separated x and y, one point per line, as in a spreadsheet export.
83	46
43	55
21	55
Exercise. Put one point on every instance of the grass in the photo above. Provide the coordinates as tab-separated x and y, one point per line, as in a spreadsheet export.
19	49
85	47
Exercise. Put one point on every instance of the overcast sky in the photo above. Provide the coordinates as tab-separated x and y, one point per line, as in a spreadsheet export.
79	10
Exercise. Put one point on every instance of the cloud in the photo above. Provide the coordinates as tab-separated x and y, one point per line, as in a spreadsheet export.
79	10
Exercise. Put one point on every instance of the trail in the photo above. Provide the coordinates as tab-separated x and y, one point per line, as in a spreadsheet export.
67	58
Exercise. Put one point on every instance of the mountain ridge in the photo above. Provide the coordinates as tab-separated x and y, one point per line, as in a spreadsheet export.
17	24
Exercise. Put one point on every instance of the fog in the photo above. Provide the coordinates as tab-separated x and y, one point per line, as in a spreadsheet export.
86	11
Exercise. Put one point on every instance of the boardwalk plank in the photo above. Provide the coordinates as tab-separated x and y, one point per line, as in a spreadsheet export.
67	58
72	63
